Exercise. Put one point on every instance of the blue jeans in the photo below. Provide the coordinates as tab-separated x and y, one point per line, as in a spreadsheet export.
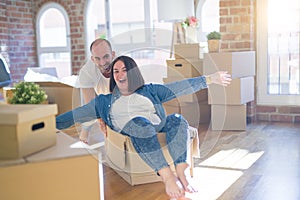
143	135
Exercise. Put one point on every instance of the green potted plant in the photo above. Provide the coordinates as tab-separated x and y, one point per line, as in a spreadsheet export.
214	41
28	93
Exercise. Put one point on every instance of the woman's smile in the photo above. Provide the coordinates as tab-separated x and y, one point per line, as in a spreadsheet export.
120	76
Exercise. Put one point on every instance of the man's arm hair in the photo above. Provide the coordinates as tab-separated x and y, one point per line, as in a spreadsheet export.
88	94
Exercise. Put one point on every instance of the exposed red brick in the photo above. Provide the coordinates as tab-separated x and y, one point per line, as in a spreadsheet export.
238	11
281	118
289	109
231	3
264	109
262	117
297	119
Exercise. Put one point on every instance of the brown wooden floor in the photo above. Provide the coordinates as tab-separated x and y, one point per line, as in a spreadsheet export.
262	163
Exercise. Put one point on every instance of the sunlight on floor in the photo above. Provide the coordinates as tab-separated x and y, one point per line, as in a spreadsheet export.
216	174
233	158
211	183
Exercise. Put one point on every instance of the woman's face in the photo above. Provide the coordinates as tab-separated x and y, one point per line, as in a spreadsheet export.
120	76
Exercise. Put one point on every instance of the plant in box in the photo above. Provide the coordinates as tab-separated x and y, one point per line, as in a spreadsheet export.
213	41
28	93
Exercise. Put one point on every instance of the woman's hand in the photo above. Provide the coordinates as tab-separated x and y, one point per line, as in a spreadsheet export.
220	77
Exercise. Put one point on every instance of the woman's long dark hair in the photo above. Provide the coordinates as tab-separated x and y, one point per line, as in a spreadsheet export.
134	75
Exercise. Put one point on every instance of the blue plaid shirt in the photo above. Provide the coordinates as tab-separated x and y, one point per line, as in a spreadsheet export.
100	106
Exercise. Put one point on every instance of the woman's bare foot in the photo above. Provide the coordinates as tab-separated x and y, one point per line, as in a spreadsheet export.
180	171
173	186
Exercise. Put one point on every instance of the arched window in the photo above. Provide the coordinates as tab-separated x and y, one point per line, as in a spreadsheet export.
53	40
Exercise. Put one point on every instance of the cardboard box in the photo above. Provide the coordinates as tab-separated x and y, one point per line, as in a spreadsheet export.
59	172
200	96
26	129
240	91
8	93
122	157
228	117
67	97
188	51
195	113
238	64
184	68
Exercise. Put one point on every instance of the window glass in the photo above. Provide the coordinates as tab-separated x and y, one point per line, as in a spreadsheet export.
53	41
283	47
59	60
52	29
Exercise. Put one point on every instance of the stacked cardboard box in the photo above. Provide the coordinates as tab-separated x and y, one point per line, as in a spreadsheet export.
63	171
26	129
228	104
188	64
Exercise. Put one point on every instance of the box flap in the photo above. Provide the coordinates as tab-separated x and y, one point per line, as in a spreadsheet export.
70	81
115	148
18	113
55	84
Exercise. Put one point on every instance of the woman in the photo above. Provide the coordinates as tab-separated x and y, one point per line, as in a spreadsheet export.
135	109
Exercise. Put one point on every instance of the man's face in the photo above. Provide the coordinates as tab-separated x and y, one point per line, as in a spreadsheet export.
102	56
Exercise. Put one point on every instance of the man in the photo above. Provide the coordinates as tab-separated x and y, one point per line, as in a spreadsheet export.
94	78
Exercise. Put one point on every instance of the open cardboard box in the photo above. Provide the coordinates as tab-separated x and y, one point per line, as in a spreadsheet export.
66	96
122	157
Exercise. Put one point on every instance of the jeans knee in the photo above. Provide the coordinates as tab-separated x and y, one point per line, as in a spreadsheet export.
139	127
141	121
176	120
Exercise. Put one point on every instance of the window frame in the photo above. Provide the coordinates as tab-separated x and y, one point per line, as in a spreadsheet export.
263	98
43	50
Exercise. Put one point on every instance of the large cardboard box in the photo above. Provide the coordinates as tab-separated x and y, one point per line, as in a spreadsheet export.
59	172
184	68
195	113
122	157
238	64
66	96
240	91
228	117
26	129
188	51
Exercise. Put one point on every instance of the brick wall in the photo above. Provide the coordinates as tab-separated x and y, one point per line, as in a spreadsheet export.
17	19
237	25
20	37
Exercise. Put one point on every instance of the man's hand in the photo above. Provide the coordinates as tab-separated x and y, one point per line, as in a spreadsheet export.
220	77
103	127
